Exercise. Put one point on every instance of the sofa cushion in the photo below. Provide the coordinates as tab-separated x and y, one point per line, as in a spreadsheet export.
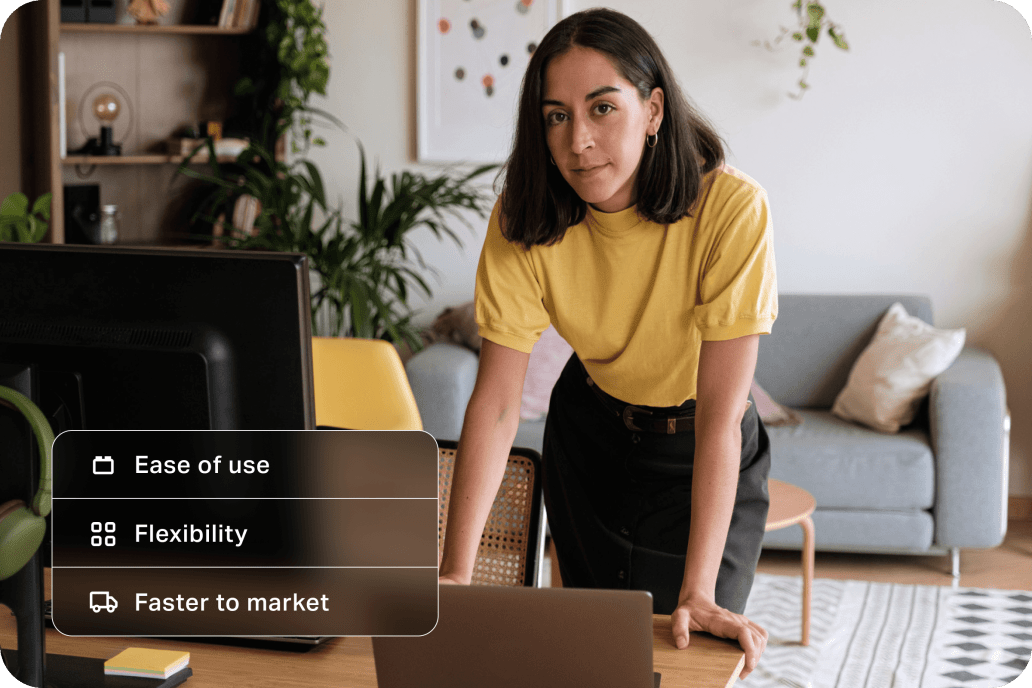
805	360
546	363
856	530
530	435
844	465
894	373
771	412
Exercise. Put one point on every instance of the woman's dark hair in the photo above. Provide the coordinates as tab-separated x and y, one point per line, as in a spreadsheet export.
537	204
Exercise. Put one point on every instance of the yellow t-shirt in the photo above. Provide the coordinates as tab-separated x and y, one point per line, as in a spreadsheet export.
636	299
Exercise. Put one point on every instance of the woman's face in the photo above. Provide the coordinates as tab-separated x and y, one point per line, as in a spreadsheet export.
596	125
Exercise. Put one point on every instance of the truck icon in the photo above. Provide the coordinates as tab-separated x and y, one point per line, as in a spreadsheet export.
102	600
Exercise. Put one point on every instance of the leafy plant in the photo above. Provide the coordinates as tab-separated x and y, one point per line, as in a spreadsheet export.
287	61
17	223
366	268
813	21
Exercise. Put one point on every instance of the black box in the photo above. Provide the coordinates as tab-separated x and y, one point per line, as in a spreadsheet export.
100	11
81	213
73	10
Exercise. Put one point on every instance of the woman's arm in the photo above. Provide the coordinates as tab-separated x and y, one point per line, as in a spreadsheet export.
488	430
725	373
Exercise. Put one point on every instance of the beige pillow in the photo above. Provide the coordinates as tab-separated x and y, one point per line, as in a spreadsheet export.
894	373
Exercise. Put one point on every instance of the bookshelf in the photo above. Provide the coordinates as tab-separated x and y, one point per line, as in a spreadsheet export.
76	27
156	159
173	74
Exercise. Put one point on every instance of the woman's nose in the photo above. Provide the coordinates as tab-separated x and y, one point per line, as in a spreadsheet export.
583	138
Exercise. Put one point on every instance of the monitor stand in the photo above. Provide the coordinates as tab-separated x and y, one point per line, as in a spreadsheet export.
23	592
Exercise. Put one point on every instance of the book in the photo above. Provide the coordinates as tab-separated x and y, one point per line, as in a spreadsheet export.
224	146
226	16
146	662
238	14
256	8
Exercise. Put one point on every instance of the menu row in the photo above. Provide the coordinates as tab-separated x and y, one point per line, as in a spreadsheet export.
245	463
210	602
245	532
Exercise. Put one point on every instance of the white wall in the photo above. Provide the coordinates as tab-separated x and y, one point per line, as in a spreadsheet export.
906	167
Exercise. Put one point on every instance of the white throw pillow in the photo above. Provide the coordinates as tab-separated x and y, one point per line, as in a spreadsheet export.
894	373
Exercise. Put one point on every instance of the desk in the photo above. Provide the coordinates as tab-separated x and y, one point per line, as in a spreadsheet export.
708	662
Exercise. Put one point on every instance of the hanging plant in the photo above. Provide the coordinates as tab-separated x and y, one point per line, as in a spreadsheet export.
813	21
288	61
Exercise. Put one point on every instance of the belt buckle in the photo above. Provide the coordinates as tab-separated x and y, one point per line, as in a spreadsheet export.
626	415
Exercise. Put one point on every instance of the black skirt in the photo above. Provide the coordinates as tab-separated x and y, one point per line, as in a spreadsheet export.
619	502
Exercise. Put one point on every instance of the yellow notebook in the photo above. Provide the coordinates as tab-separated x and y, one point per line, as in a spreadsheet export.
139	661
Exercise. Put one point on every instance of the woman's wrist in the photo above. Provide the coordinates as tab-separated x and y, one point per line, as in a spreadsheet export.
691	594
457	572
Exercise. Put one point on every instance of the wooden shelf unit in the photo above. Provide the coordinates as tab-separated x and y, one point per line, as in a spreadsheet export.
182	29
174	75
155	159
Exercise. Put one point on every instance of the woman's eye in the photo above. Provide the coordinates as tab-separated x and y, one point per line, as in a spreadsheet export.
603	108
555	117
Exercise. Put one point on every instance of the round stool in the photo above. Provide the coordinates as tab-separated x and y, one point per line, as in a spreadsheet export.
790	505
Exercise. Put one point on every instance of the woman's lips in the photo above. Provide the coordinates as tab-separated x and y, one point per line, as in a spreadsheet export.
589	171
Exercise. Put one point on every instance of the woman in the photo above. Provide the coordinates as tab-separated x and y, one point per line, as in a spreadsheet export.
619	224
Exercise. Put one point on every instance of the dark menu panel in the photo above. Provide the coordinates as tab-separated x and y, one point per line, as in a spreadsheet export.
245	533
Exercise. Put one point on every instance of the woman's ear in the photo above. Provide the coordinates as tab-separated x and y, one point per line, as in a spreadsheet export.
655	107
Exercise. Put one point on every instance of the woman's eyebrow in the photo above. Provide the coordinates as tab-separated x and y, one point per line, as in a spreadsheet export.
601	90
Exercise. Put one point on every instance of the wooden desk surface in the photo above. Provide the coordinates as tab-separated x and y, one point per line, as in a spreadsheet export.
707	662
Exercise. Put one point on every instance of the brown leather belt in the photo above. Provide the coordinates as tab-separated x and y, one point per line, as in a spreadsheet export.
643	420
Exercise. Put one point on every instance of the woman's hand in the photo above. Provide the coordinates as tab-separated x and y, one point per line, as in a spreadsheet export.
450	579
693	614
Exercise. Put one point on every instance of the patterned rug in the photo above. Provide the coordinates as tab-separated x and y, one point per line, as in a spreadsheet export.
882	635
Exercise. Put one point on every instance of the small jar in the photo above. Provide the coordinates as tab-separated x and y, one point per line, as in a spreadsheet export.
109	224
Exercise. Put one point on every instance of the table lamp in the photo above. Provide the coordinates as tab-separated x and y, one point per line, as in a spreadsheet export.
106	107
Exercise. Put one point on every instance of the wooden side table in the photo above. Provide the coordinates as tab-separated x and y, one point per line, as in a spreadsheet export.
790	505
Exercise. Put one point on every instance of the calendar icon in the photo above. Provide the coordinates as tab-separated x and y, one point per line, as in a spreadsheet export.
103	465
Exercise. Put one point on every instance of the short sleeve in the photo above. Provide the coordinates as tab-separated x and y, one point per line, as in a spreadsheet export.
738	293
507	300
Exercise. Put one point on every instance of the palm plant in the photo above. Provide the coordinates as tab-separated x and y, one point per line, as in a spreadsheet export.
366	269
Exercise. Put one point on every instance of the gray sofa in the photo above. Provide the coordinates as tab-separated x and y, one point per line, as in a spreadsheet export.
938	485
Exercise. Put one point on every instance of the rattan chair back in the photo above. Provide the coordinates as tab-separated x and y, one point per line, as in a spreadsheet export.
511	546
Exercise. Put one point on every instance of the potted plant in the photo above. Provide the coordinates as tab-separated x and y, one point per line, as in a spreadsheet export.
366	269
18	223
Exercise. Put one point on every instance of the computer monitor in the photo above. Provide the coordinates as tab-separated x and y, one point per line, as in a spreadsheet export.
127	338
119	338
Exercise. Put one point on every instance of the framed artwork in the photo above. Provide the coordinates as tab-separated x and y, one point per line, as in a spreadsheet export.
472	56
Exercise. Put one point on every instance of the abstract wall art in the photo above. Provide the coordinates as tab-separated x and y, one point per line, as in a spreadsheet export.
472	56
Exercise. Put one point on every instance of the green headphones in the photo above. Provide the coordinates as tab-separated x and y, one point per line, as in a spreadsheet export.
22	526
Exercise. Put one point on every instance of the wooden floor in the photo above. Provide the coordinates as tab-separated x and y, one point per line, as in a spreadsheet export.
1007	567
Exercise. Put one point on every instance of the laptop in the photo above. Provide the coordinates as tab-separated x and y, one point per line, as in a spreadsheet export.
509	637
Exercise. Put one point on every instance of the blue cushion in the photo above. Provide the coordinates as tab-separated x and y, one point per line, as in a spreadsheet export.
848	466
860	531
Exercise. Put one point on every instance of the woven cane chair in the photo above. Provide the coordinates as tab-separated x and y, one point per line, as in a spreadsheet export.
512	546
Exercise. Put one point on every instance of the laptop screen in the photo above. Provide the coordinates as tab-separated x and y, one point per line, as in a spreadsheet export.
506	637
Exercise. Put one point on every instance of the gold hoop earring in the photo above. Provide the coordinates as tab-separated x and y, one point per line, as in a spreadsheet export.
652	140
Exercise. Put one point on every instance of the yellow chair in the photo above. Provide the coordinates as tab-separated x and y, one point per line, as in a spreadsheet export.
360	384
